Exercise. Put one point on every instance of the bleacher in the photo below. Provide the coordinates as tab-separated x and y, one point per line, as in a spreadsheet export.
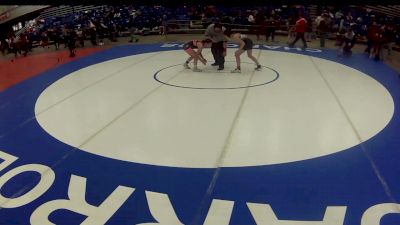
53	13
64	10
390	10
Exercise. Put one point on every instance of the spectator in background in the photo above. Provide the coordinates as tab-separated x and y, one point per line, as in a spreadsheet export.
397	36
309	30
65	35
349	18
290	24
377	44
132	30
323	29
389	37
372	30
30	40
271	28
101	29
14	45
81	37
252	21
349	41
58	37
259	21
51	36
24	43
318	19
92	33
152	17
300	29
113	32
339	41
55	37
3	47
164	24
339	14
71	40
44	39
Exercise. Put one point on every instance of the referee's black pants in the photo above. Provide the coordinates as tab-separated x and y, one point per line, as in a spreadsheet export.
217	50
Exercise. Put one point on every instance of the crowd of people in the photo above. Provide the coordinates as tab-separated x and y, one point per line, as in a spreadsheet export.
346	24
379	30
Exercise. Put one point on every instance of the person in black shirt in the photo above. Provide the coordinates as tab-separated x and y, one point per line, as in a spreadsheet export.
71	39
270	28
323	29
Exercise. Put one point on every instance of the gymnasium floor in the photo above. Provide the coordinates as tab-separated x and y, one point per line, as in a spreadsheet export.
125	135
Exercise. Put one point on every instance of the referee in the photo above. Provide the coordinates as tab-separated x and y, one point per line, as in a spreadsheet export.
215	32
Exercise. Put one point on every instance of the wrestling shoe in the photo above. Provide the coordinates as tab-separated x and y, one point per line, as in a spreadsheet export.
197	70
258	68
186	66
236	71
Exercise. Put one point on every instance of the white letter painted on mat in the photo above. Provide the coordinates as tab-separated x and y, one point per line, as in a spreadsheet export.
271	47
96	215
230	45
219	213
168	45
8	160
47	177
287	48
313	50
263	215
374	214
161	209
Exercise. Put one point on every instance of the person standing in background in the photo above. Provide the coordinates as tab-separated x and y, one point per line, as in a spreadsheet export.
271	27
323	29
71	40
3	47
24	43
260	23
57	38
372	30
300	29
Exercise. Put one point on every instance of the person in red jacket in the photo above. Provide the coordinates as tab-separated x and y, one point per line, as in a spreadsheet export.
371	37
300	29
24	43
377	44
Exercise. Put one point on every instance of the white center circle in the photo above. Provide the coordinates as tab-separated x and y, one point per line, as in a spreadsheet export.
117	110
220	80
